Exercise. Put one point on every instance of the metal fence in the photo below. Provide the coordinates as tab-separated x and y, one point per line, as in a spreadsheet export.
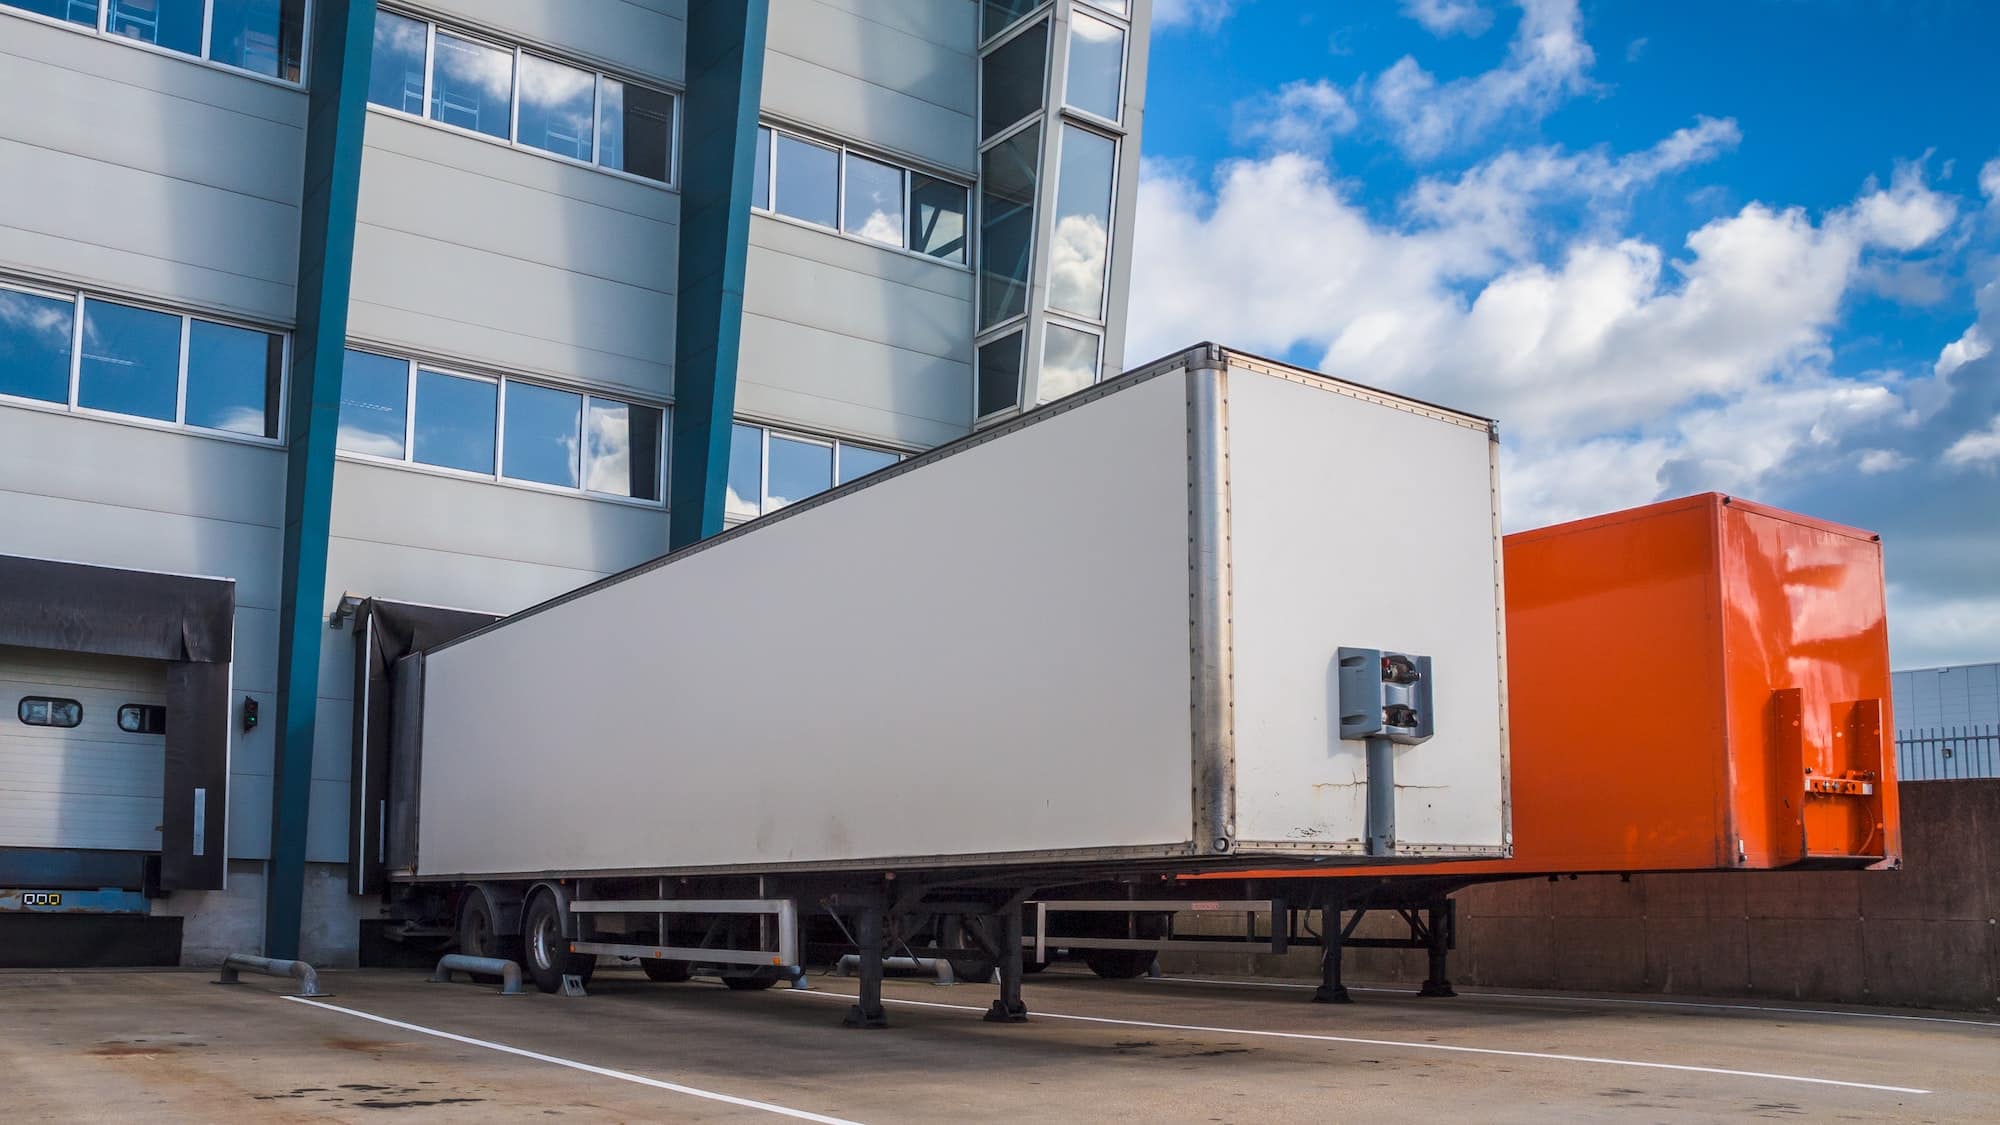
1944	753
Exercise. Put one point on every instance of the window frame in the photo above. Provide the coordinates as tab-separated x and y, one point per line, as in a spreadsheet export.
512	140
21	711
413	365
767	431
842	149
100	30
78	298
1124	26
1053	321
1101	318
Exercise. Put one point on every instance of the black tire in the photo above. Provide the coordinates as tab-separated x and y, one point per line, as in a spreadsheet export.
970	963
750	984
545	951
666	972
478	936
1029	965
1119	964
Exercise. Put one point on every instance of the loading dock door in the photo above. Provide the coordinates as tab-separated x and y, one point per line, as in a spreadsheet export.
71	776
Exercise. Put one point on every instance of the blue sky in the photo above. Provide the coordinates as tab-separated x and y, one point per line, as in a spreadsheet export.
1749	246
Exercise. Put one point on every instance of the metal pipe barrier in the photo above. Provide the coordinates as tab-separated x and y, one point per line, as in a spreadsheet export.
850	965
508	972
236	963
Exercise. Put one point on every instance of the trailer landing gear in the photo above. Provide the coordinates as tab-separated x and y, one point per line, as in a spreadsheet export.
1009	1008
1438	940
1330	990
867	1011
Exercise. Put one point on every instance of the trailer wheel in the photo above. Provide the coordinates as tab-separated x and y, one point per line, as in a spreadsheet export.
664	971
1119	964
478	936
547	957
750	984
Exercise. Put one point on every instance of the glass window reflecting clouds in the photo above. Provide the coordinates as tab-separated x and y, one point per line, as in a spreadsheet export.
35	337
638	130
799	470
233	379
1081	248
374	404
999	374
472	85
557	105
131	361
542	430
1119	7
622	447
173	24
808	181
1069	362
874	200
857	461
746	473
1011	80
937	217
1096	62
1007	225
396	71
261	36
454	423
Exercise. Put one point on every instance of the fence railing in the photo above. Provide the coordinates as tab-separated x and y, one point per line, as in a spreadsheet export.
1944	753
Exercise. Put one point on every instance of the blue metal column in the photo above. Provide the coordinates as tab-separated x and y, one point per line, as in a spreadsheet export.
343	34
725	79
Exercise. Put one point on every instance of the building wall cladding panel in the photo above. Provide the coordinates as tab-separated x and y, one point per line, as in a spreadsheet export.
1959	695
106	142
900	75
472	251
85	490
854	339
643	38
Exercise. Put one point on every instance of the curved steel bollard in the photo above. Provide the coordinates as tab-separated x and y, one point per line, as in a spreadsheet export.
236	963
508	972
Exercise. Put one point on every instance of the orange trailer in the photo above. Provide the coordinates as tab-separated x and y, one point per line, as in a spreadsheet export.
1699	684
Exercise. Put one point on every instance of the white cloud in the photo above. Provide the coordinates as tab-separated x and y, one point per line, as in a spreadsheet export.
1300	117
1873	462
1618	373
1203	15
1989	181
1979	449
1547	61
1928	631
1449	17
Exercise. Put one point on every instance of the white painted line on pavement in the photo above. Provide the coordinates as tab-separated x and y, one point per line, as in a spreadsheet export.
587	1068
1720	1005
1406	1044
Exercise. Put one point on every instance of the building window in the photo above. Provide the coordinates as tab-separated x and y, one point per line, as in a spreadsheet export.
996	16
1011	78
1080	251
1007	225
998	378
35	336
502	429
528	100
866	197
454	417
41	711
264	37
142	718
1069	362
770	469
73	350
1095	81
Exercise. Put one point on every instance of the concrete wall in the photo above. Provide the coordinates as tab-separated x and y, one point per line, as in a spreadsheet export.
1925	935
841	336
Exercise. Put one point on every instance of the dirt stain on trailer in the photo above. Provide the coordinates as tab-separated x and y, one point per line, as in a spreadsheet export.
117	1050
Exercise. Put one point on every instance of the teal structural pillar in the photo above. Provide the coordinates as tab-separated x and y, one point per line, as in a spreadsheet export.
725	79
343	33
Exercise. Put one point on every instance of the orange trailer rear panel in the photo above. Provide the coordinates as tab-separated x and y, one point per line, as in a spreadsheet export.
1701	683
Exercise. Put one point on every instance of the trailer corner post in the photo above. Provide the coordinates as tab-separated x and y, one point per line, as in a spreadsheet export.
1210	615
336	111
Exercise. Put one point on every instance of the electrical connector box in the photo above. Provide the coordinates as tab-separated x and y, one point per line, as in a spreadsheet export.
1385	695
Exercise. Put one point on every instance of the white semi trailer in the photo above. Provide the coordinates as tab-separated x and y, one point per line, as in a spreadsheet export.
1214	612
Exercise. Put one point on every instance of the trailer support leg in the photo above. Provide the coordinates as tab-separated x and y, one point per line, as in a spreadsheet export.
1009	1008
867	1011
1439	923
1330	991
